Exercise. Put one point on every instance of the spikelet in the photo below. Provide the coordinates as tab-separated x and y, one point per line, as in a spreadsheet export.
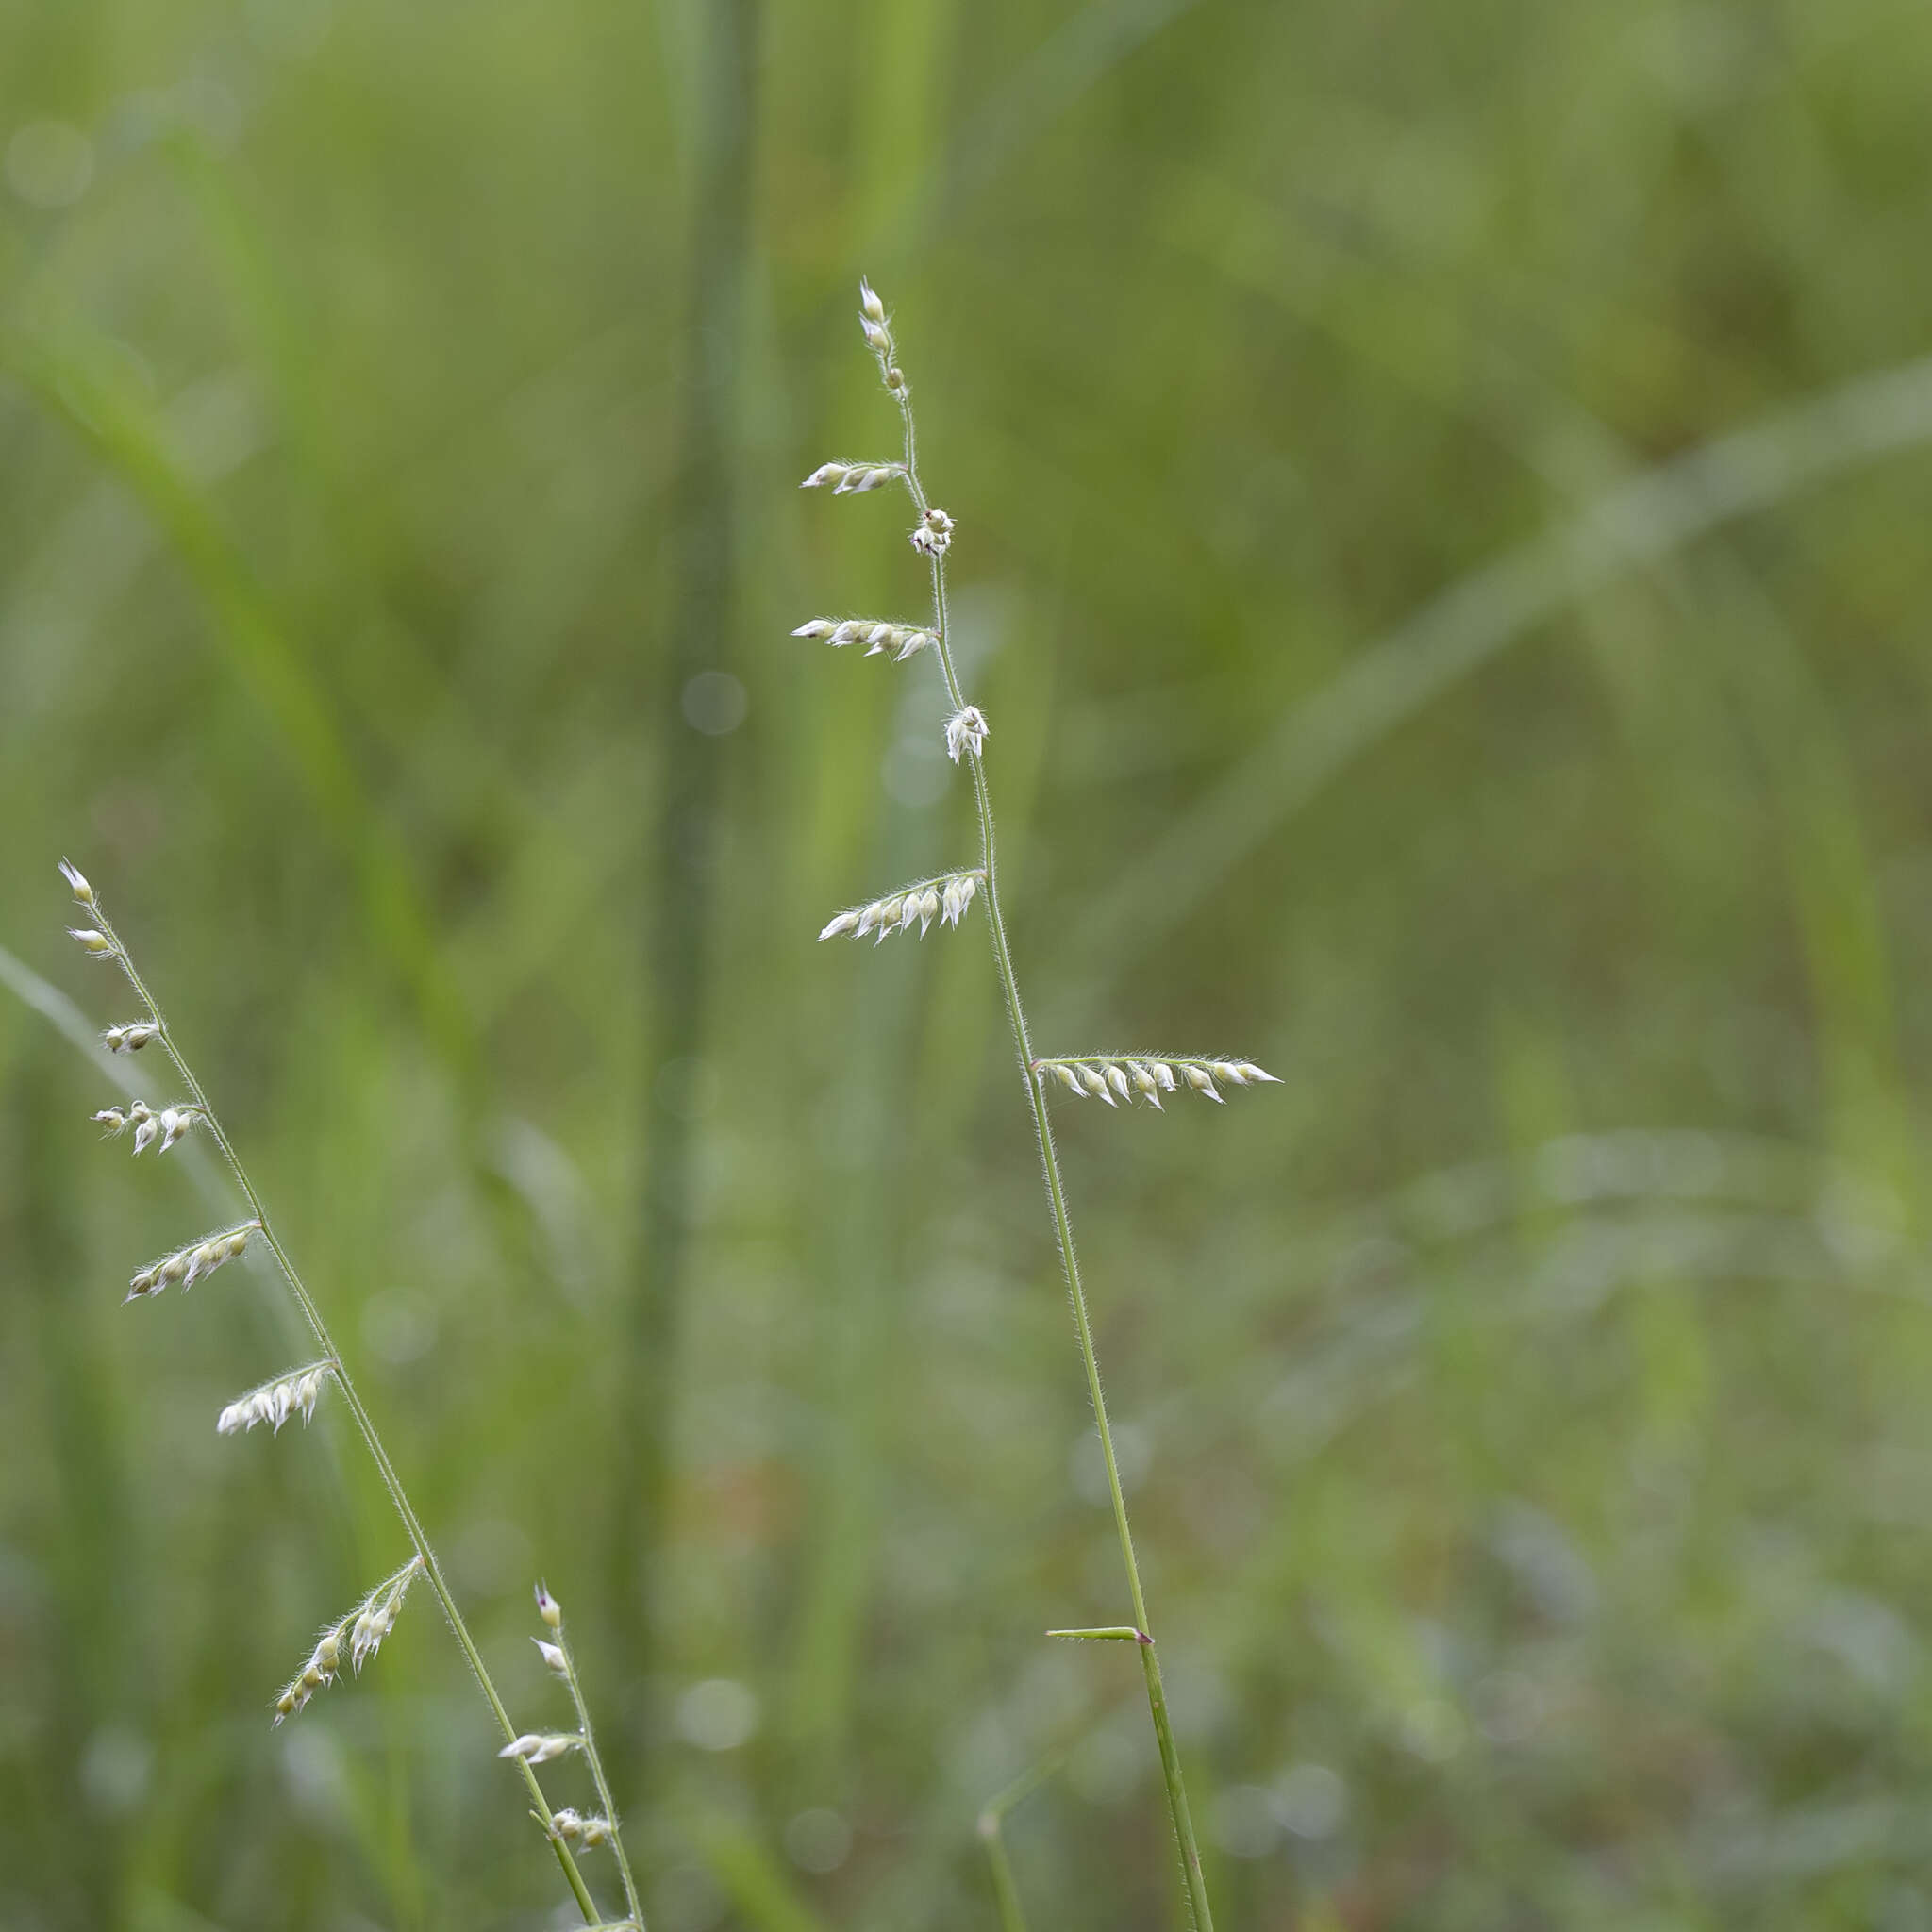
853	479
879	634
274	1402
540	1747
77	885
357	1637
1115	1077
944	898
186	1266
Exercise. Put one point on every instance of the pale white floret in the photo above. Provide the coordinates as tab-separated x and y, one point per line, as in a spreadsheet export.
132	1037
96	945
76	883
966	730
540	1747
553	1654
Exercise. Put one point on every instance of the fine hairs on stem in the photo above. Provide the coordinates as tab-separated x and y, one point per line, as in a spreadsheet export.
355	1638
1112	1078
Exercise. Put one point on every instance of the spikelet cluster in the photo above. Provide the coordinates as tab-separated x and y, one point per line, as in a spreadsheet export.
132	1037
573	1828
899	640
168	1126
186	1266
966	730
944	898
354	1640
852	479
1115	1077
275	1401
932	536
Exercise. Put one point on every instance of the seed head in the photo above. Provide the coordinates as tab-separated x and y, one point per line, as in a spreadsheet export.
132	1037
167	1126
966	730
944	899
83	892
933	534
899	640
362	1630
274	1403
853	479
186	1266
1115	1077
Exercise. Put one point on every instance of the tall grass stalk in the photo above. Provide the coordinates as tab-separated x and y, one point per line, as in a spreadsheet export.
1111	1077
356	1637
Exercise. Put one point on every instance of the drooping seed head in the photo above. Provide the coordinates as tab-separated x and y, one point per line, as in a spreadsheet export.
274	1401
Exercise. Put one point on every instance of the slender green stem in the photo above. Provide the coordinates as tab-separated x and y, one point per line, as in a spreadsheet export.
993	1819
1200	1917
364	1425
1006	1889
596	1764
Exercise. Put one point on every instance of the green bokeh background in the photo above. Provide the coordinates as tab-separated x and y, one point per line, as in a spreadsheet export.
1441	545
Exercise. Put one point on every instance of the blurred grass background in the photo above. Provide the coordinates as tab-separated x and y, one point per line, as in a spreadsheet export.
1442	506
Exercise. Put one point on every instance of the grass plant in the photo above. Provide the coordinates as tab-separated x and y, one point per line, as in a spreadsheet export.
1115	1078
353	1640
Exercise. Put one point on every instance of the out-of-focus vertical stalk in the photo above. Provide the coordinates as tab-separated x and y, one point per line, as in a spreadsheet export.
91	1573
676	912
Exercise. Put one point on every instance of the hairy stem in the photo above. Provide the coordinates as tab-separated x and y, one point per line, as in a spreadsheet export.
602	1784
364	1425
1200	1917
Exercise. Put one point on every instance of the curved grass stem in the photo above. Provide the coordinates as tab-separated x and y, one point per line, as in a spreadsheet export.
365	1427
1199	1915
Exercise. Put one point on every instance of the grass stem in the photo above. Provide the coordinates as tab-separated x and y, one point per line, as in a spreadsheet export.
365	1427
1199	1915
